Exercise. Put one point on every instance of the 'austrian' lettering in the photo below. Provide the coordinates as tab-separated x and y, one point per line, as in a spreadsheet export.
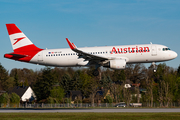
130	50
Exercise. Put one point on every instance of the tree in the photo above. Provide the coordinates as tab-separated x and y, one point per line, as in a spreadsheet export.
116	91
24	76
14	73
9	83
44	84
177	90
4	98
26	82
118	76
106	81
87	83
93	87
178	71
66	82
51	100
126	95
166	80
149	91
3	78
14	98
59	72
135	72
109	99
57	93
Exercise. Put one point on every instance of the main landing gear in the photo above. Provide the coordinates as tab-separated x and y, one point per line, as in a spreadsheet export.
96	72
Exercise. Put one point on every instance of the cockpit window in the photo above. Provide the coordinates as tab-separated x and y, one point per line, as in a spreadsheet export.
166	49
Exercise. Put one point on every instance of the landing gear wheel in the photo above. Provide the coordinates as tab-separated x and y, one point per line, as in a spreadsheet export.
154	67
95	72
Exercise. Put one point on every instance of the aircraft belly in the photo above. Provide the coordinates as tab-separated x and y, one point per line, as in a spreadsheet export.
60	61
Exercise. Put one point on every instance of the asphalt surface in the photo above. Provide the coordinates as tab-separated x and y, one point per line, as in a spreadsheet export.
138	110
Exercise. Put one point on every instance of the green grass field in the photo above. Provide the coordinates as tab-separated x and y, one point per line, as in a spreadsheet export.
90	116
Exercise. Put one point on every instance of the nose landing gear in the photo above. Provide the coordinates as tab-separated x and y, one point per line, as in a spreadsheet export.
154	66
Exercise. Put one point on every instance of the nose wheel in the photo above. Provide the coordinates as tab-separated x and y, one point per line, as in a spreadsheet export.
154	66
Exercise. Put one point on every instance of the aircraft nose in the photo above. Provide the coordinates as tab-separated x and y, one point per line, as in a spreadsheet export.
174	54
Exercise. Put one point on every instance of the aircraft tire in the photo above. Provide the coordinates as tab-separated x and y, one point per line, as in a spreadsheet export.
95	72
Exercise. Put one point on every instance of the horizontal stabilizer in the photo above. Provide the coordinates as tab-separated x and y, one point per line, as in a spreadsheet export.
13	55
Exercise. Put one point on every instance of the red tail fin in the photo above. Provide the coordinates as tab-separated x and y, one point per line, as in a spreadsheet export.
24	49
19	40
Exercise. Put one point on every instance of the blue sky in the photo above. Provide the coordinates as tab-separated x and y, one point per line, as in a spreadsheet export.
90	23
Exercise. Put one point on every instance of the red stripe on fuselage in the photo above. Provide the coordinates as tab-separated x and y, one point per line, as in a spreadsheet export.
30	51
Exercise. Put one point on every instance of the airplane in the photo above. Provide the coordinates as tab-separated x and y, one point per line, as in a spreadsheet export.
114	57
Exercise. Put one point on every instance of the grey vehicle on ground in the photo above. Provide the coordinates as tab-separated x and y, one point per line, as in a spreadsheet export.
121	105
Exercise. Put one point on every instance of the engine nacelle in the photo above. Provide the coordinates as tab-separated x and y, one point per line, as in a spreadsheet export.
118	64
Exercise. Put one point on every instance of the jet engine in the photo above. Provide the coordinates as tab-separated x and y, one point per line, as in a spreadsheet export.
117	64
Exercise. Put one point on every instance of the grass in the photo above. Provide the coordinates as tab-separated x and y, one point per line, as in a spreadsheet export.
90	116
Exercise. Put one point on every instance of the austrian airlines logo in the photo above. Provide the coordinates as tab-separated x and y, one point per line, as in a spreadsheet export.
18	39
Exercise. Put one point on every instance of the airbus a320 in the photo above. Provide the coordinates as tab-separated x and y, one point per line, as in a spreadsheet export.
114	57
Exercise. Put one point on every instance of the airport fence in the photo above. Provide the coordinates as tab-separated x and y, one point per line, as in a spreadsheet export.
86	105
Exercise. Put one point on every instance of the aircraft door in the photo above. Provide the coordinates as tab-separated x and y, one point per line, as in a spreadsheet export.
153	50
40	56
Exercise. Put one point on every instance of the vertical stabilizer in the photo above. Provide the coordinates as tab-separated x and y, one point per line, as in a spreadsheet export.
19	40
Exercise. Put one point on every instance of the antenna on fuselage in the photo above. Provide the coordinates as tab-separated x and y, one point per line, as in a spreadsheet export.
150	42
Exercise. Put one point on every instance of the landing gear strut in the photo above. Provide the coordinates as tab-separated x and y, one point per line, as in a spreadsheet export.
154	66
96	71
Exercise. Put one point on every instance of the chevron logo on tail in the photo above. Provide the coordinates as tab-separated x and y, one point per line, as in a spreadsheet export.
18	39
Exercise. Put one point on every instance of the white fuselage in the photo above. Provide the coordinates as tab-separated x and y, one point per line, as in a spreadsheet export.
144	53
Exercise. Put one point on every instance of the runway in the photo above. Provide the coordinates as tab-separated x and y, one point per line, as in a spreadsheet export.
138	110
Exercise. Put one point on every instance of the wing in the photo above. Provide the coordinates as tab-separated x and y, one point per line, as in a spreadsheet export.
86	55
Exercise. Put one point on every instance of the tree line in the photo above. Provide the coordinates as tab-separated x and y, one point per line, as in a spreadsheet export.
51	84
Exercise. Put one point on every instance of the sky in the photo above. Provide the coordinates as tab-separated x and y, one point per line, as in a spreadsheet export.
89	23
